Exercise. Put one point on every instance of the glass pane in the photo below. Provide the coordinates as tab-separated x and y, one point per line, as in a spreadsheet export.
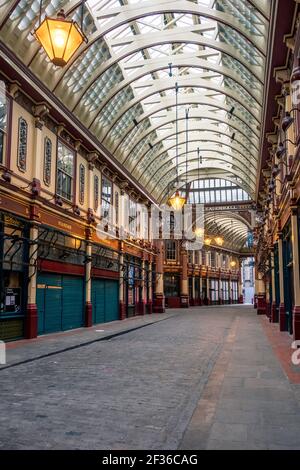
65	158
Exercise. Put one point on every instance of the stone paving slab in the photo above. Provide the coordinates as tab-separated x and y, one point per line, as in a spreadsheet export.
136	391
256	406
202	378
23	350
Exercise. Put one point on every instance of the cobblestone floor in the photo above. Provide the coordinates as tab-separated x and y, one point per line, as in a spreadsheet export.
199	378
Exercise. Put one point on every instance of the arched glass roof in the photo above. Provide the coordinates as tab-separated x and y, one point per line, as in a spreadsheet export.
120	86
233	228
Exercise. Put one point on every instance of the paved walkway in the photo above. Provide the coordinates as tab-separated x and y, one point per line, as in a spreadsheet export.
203	378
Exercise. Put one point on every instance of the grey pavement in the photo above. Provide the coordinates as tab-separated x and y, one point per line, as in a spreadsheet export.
202	378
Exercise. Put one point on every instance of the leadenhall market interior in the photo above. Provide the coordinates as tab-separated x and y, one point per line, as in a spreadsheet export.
119	118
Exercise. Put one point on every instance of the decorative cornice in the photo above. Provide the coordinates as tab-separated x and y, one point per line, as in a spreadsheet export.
281	74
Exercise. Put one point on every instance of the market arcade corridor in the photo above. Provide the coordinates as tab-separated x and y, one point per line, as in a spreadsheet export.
202	378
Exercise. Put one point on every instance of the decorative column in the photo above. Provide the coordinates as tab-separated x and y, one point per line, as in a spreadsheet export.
256	289
282	316
208	299
268	299
220	287
159	298
230	300
261	297
141	307
184	291
150	265
88	286
240	285
150	290
193	299
31	324
296	277
200	288
122	304
273	318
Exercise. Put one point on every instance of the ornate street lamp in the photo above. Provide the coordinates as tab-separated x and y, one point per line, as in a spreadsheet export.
207	241
219	240
176	201
59	37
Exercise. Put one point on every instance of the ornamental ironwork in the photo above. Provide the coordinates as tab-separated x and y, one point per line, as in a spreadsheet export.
47	161
81	183
22	144
96	192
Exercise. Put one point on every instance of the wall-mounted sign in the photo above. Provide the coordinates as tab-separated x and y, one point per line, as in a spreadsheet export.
13	299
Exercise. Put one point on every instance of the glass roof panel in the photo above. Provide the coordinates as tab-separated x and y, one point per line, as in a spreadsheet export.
122	83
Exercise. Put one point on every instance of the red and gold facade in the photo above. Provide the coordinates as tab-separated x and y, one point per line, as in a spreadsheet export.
56	252
277	258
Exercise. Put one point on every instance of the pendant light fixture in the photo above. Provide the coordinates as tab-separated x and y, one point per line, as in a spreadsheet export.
199	231
218	238
232	261
207	241
177	201
60	37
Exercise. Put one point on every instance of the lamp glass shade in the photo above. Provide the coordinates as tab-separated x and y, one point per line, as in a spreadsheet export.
177	202
199	232
219	241
207	241
60	39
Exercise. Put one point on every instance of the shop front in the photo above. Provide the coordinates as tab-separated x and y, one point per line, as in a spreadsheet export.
14	260
133	284
276	287
214	291
172	289
225	291
288	276
234	292
105	284
60	295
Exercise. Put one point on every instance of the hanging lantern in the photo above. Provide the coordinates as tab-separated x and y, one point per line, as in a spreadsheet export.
219	240
177	202
207	240
60	38
199	232
232	264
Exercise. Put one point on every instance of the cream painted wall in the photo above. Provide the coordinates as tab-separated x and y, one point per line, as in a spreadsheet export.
51	187
17	113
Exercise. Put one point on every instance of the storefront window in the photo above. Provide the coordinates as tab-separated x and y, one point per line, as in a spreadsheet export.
12	265
214	290
65	171
57	246
171	285
104	258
